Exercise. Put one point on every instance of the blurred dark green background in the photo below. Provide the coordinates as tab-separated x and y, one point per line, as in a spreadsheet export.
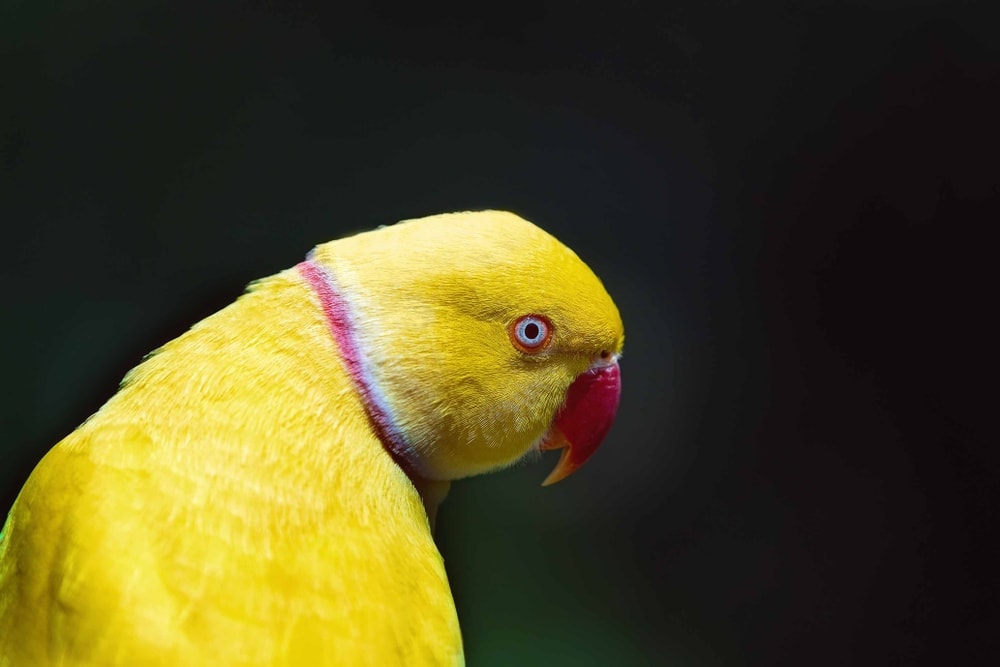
790	205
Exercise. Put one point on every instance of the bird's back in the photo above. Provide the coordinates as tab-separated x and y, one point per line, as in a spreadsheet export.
230	505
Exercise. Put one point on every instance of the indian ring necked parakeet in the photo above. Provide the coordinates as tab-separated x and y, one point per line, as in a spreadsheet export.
261	490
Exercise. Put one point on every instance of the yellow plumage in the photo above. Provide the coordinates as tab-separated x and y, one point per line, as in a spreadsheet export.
232	504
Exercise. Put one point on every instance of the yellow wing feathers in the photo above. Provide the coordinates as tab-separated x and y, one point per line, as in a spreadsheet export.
163	536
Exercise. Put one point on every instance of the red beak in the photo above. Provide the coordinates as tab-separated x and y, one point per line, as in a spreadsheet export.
584	419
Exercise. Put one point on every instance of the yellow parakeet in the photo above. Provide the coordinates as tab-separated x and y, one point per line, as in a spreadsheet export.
261	490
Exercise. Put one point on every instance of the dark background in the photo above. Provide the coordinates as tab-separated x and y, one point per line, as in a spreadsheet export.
790	205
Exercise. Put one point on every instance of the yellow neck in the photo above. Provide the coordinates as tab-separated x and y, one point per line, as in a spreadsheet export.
254	495
256	399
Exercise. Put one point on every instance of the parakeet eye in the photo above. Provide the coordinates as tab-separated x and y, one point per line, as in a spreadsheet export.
530	333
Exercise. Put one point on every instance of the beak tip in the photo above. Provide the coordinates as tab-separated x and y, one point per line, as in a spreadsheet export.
552	479
563	469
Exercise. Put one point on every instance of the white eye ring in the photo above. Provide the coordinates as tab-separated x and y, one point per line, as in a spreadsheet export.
531	333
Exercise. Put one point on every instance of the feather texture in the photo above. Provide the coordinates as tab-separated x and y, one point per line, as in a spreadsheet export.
236	501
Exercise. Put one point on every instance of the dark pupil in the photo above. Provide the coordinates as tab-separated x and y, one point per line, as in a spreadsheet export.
531	331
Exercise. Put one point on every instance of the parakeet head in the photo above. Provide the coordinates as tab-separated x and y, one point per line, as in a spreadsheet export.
476	338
